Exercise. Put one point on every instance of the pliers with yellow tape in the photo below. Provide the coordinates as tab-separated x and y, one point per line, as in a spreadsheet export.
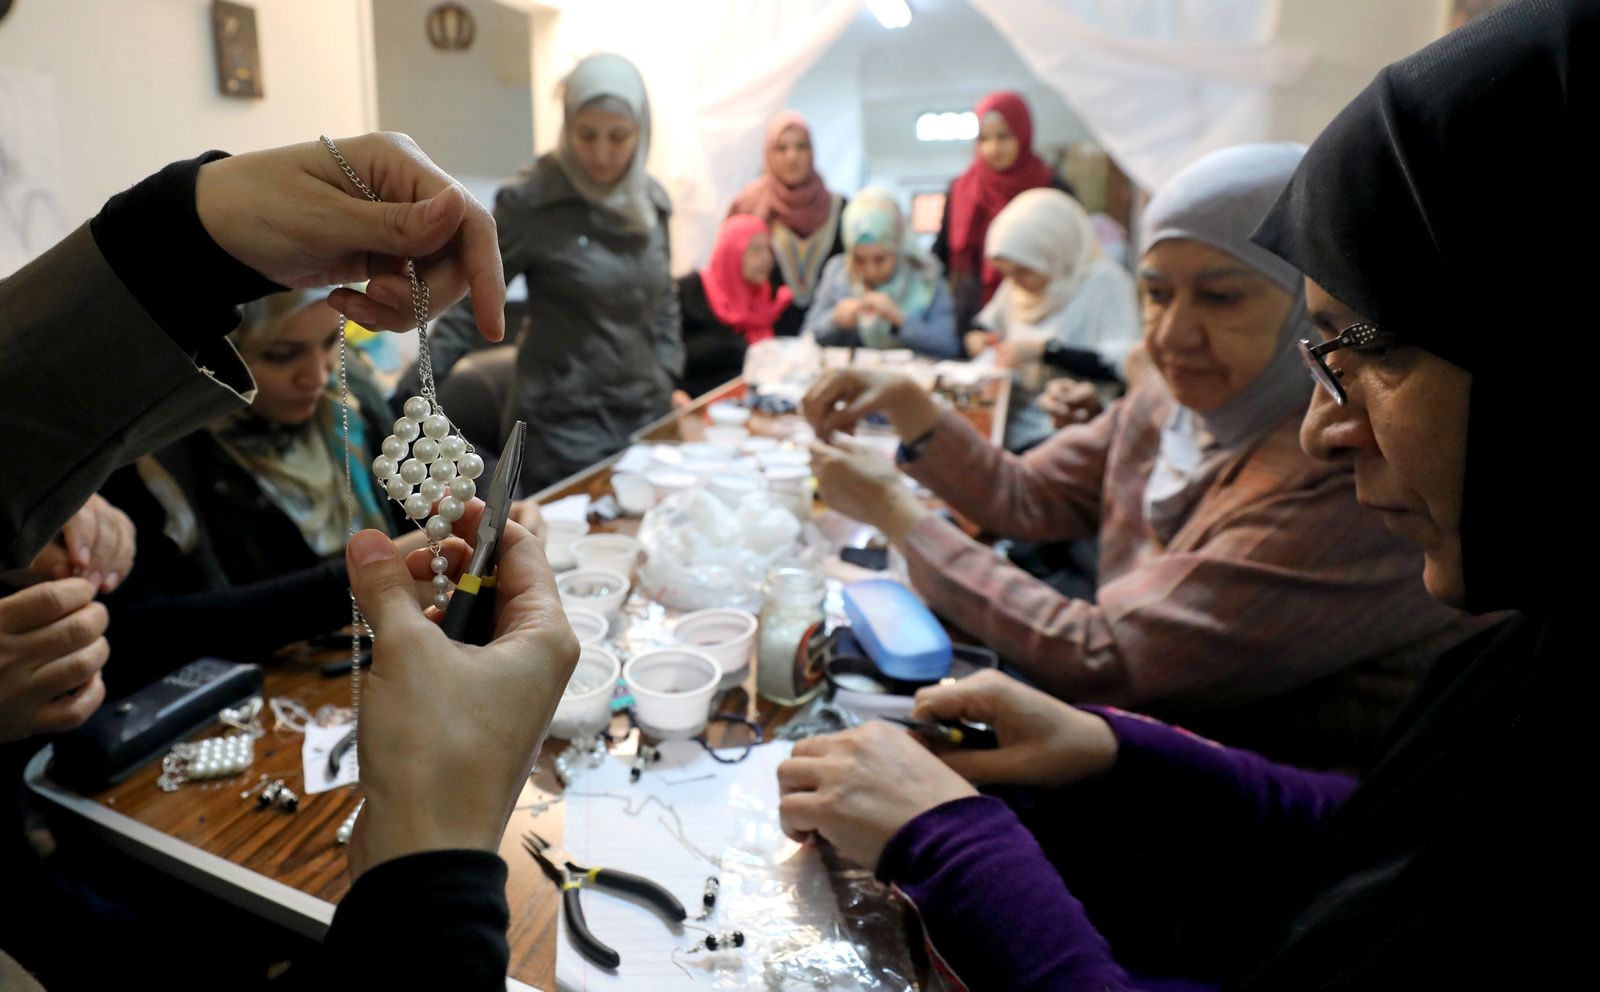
470	616
573	878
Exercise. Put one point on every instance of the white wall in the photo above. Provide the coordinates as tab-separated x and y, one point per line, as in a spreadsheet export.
135	83
472	111
1352	40
948	58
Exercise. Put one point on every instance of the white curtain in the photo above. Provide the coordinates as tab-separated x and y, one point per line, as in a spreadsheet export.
717	70
1158	82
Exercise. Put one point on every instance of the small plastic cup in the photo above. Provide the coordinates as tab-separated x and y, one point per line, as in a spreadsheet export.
732	414
612	552
672	690
597	589
585	706
733	487
728	437
634	493
665	482
558	538
589	627
726	635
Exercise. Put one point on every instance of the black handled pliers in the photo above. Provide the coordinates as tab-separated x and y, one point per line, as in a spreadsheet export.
573	877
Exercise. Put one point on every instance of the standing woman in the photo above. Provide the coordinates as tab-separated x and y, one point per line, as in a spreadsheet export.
800	212
601	351
1005	165
1064	307
883	292
729	305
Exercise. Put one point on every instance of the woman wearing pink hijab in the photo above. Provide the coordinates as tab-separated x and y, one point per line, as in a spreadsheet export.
729	305
1003	166
801	214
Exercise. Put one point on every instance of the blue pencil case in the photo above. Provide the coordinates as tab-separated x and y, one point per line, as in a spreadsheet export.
897	631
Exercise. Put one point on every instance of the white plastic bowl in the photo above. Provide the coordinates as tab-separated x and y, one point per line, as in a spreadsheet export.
612	552
558	538
589	627
585	706
731	414
672	690
726	635
597	589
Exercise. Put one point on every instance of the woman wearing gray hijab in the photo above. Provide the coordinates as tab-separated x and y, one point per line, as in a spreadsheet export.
1231	563
601	349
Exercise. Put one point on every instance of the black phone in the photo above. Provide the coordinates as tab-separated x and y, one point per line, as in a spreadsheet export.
876	559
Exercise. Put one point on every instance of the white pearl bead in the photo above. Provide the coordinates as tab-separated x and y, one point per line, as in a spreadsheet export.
436	426
425	450
442	470
453	447
438	529
451	508
441	600
413	471
463	489
417	507
432	490
384	467
406	429
394	448
418	407
440	564
470	465
441	583
398	488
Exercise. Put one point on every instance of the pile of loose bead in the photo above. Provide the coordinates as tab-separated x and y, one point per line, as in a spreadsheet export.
214	757
423	463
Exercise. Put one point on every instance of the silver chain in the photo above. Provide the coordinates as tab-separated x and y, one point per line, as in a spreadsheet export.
419	288
358	623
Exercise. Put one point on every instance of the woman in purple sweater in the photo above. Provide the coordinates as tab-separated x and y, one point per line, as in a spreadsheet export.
1454	859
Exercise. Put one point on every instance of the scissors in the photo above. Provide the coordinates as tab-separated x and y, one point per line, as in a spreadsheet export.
572	877
470	616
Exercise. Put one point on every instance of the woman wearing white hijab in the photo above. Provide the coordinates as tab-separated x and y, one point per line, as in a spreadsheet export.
601	350
1231	562
1064	307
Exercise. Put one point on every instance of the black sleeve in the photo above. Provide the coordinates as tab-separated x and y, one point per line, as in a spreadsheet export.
151	236
435	920
156	636
941	243
1081	362
713	352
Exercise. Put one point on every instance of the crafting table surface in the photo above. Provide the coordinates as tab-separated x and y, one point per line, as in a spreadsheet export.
289	867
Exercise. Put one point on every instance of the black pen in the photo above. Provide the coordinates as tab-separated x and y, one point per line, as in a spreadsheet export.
970	735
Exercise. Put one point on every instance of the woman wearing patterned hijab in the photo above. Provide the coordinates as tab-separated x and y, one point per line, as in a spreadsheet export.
883	292
1450	863
802	215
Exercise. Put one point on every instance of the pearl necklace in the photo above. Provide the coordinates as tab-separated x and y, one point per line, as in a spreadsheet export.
427	465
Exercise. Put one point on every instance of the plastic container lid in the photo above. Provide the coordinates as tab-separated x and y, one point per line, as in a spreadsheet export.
897	631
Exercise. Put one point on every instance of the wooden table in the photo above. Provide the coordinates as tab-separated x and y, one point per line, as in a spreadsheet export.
288	868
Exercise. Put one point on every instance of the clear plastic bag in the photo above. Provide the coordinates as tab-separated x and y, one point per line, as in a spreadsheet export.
700	555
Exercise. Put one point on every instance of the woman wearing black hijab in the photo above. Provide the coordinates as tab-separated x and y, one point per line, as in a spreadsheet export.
1454	860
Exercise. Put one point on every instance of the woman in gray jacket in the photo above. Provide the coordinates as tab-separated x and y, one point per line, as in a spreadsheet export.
601	351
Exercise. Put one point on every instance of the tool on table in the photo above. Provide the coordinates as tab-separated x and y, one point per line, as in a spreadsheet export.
573	878
962	734
470	616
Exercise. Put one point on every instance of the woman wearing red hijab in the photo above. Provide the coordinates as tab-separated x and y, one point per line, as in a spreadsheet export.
729	305
801	214
1005	165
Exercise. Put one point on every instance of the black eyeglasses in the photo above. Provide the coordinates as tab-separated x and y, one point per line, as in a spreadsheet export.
1354	336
